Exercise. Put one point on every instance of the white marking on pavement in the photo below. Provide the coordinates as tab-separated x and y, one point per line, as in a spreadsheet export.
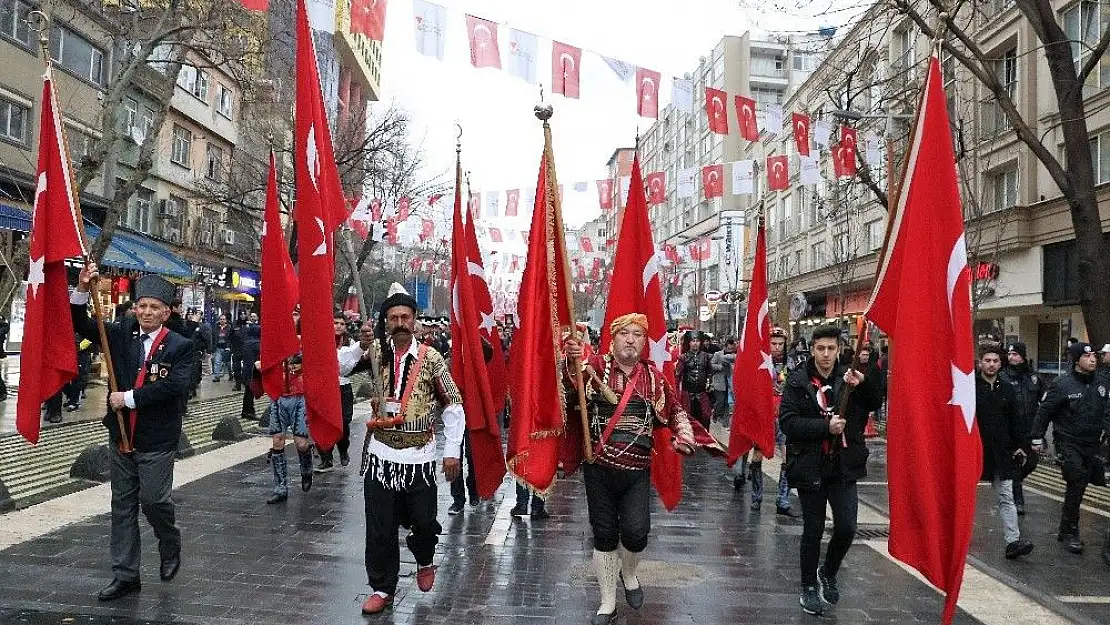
1057	498
1083	599
499	531
30	523
986	599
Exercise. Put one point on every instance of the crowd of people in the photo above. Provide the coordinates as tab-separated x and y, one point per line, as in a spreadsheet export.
158	355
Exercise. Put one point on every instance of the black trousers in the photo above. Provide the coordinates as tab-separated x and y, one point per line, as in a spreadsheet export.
1079	458
347	405
1022	471
619	504
720	405
843	498
462	486
385	510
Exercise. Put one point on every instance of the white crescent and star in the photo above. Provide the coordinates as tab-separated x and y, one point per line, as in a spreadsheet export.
36	271
963	384
323	247
312	157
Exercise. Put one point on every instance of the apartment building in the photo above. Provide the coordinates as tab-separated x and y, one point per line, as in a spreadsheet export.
824	239
767	71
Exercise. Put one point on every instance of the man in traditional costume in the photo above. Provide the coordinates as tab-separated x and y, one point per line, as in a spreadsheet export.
633	411
692	372
399	459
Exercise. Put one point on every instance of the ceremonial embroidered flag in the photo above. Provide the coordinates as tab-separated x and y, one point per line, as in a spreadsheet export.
743	177
745	115
778	173
656	184
483	42
319	209
605	194
48	356
279	333
922	299
565	63
713	181
715	110
512	202
753	372
430	22
368	18
682	94
800	123
523	53
647	93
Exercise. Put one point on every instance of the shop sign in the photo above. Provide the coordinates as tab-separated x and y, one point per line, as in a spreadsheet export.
986	271
245	281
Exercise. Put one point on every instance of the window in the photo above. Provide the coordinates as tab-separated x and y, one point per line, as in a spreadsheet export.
214	163
842	248
1004	189
76	54
764	97
200	86
797	261
14	119
1083	23
817	256
902	57
1100	157
80	145
131	113
223	101
1005	71
875	234
182	146
13	21
803	62
140	212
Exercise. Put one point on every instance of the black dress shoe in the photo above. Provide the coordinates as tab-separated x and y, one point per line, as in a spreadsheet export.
635	597
603	619
169	567
119	588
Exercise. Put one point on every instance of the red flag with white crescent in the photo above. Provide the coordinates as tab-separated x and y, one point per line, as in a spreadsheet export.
279	333
745	116
800	122
716	110
566	61
647	93
482	34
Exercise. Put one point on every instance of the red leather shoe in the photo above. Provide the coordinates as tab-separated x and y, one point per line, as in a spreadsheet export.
375	603
425	577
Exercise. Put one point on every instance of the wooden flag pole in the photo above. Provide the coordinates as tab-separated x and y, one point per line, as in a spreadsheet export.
41	23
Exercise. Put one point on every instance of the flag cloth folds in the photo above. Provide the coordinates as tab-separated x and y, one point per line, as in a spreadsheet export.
566	61
512	202
605	194
745	117
483	42
800	122
430	27
656	184
496	366
647	93
716	110
753	372
368	18
713	181
523	54
48	357
319	209
778	172
468	365
543	309
279	333
922	299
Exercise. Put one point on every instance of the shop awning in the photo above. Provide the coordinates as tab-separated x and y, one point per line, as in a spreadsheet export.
237	297
127	250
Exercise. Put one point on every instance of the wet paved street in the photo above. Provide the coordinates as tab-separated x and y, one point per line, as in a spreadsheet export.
712	561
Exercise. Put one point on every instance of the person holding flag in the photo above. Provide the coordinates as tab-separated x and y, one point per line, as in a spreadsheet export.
399	457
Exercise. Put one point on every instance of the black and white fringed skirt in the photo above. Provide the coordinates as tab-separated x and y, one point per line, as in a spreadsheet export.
401	477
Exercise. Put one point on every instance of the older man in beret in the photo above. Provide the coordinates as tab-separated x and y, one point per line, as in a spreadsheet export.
153	368
627	399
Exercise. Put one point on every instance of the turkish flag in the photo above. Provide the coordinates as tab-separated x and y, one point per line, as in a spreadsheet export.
495	235
48	357
544	307
565	68
496	366
715	109
319	210
713	180
433	198
404	208
605	194
753	372
391	231
745	116
256	5
376	210
595	270
474	206
279	333
800	122
468	366
483	42
656	188
922	299
512	202
361	228
844	154
701	250
778	173
586	244
647	93
368	18
427	229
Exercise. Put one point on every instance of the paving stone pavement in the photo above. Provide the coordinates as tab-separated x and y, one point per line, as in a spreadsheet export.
712	561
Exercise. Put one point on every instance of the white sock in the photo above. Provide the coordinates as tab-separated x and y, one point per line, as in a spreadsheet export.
607	564
629	562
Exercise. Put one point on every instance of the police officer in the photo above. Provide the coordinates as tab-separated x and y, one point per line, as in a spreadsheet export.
1076	404
153	367
1028	390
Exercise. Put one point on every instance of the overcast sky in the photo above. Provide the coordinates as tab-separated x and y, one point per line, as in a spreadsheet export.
501	136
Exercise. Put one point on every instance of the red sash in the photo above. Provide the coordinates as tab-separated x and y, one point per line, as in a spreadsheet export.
615	419
142	378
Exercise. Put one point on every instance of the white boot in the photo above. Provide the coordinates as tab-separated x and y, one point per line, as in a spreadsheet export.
632	591
608	567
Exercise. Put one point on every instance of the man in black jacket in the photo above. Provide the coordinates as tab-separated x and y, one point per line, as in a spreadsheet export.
1028	390
1002	433
825	456
153	367
1076	404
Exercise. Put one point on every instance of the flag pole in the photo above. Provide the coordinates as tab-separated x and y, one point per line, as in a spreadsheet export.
42	25
544	112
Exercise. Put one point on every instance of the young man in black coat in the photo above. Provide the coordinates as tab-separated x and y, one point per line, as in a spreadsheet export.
153	367
1002	433
1028	391
825	456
